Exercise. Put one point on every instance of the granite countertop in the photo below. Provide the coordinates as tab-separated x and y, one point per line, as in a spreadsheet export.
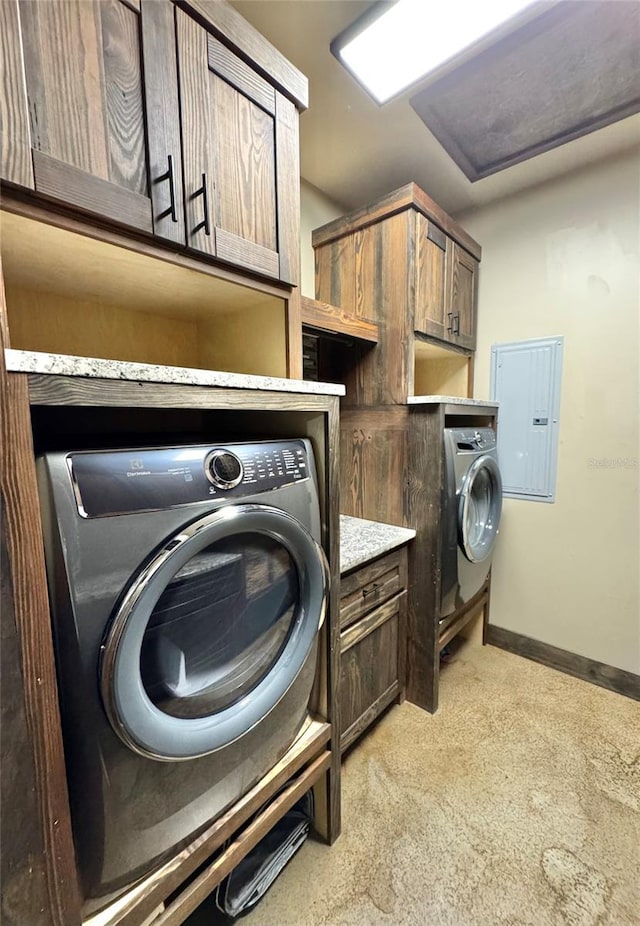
448	400
362	541
29	361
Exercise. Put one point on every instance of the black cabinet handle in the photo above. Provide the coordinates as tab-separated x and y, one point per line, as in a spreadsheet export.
370	591
205	207
450	325
456	319
172	191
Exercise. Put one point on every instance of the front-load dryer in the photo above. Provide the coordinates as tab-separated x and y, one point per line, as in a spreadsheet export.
187	588
471	509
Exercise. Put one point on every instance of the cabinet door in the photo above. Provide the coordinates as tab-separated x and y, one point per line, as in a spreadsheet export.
462	294
87	97
431	259
240	146
15	141
370	667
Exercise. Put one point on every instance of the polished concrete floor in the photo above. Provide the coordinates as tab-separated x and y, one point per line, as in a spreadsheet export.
517	804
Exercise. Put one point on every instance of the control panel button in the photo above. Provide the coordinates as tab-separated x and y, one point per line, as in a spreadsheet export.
223	469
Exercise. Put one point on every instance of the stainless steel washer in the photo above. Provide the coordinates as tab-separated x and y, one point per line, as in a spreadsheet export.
187	588
472	505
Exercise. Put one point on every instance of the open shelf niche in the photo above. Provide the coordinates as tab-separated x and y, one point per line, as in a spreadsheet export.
441	371
68	293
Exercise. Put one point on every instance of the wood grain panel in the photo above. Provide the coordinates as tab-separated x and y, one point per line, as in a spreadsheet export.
22	865
239	250
332	320
163	117
70	390
368	669
65	82
198	129
288	189
373	464
252	46
332	485
244	142
124	108
357	632
294	335
43	859
67	184
462	291
234	70
384	282
424	506
15	140
335	274
366	719
430	312
370	585
399	200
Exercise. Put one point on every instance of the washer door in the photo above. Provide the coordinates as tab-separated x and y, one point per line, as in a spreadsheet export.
213	632
479	509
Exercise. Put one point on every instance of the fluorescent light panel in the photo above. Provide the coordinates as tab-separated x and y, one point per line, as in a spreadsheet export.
416	36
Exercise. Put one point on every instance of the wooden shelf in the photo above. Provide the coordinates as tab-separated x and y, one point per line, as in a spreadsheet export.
332	320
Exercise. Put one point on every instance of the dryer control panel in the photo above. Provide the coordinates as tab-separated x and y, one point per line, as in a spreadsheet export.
155	478
473	439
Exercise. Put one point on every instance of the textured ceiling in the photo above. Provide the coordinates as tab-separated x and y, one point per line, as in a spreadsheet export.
573	69
355	151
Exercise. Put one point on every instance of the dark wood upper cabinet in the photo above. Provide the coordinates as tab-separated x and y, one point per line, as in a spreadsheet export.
137	112
431	279
445	306
240	139
15	139
462	297
103	111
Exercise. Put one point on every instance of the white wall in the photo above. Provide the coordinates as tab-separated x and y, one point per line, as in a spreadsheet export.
563	259
315	209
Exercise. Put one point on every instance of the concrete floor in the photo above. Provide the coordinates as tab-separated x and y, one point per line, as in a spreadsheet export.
517	804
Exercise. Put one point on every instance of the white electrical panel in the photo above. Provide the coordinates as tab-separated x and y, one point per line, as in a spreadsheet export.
525	380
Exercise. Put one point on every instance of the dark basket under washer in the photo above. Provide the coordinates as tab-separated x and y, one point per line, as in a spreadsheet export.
249	881
187	588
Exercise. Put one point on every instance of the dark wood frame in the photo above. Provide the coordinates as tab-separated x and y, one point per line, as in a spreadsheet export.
46	819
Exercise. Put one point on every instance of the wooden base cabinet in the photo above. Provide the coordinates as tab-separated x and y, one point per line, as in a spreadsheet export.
373	608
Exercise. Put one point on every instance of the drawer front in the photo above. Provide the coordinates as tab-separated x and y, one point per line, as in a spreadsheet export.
370	586
370	667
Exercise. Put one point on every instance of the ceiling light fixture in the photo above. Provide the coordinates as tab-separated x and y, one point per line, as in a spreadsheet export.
389	51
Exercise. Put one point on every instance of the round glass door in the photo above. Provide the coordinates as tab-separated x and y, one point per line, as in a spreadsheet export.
213	632
480	507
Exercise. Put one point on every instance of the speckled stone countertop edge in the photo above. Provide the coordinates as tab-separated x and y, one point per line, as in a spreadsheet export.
449	400
362	541
27	361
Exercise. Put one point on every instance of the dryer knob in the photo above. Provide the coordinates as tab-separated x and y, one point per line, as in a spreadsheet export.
223	469
479	439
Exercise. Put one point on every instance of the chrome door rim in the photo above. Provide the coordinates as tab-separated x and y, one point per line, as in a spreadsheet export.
495	509
142	726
